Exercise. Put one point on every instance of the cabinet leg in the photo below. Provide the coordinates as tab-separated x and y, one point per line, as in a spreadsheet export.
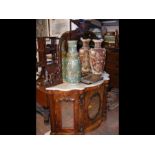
52	133
81	131
44	112
46	115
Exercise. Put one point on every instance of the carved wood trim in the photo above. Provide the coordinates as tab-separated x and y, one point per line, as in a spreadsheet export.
66	99
81	113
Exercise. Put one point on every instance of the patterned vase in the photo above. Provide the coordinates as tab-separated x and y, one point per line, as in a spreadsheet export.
73	68
84	56
97	57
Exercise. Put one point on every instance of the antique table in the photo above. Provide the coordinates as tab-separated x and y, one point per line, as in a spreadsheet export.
77	108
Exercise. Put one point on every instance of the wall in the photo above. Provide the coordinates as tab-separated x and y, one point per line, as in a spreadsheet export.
112	28
59	26
42	28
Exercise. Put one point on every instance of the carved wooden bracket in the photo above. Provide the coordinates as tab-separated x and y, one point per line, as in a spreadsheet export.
66	99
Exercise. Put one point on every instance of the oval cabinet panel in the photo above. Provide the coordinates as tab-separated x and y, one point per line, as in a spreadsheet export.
94	106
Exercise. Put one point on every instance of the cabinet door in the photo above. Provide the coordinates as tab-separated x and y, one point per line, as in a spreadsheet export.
66	112
94	105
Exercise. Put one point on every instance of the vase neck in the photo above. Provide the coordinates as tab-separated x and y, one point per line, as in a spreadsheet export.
72	49
85	44
98	43
72	46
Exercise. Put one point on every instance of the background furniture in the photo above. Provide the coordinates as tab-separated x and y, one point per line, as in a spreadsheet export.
112	66
50	61
77	108
81	31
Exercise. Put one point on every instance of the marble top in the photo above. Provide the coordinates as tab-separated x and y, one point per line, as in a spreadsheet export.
79	86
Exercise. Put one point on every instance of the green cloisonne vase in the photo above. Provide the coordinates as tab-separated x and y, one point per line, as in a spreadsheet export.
64	62
73	68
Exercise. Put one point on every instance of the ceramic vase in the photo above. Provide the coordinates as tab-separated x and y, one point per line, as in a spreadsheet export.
64	62
97	57
73	67
84	56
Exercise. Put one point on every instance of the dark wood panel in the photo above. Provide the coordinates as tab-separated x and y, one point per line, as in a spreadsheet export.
112	67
